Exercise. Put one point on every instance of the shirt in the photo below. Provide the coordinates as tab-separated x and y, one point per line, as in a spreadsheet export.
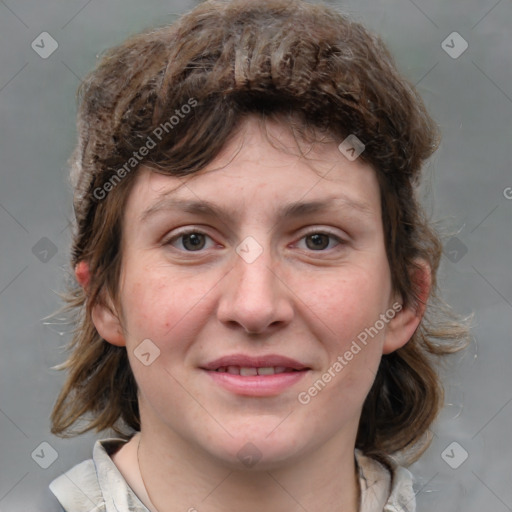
97	485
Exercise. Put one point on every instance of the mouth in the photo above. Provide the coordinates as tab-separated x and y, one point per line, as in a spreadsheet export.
251	371
243	364
256	376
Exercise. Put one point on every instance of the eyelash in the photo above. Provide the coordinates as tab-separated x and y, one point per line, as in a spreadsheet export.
169	241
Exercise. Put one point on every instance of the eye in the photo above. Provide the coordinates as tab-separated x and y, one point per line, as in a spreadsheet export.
319	240
192	240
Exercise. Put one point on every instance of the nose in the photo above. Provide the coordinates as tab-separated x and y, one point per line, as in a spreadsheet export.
255	297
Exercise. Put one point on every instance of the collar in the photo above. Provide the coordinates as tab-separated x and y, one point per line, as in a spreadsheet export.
97	485
386	488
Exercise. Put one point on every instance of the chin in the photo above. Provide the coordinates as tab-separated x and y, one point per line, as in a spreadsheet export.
258	451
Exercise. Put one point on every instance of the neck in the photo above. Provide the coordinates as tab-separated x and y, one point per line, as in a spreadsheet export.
177	478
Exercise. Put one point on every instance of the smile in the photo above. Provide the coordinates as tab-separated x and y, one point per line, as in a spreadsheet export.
247	371
249	375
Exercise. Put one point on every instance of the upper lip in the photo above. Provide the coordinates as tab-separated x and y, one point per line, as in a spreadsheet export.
245	361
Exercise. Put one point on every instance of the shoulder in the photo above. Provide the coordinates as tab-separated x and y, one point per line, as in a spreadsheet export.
96	485
78	488
385	485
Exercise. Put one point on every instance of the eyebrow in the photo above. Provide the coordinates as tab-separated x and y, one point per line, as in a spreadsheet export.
290	210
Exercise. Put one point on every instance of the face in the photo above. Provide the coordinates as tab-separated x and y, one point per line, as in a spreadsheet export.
262	323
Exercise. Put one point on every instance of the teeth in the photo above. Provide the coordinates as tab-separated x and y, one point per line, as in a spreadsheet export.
245	371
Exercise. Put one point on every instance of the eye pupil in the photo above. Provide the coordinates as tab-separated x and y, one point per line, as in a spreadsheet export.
319	240
194	239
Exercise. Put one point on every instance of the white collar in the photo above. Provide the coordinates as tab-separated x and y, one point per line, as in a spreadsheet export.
97	485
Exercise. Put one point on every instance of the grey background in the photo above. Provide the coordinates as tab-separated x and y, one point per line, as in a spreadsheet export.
466	188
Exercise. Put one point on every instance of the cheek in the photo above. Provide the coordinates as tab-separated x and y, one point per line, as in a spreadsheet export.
345	311
158	306
348	304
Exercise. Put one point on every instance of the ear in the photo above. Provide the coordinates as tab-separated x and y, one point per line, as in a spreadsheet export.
104	317
402	327
82	274
107	324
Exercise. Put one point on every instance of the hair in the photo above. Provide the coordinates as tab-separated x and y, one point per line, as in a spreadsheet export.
275	59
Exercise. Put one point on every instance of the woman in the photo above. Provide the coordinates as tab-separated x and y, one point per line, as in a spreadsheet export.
258	308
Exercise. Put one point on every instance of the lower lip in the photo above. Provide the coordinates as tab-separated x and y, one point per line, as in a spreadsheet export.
257	385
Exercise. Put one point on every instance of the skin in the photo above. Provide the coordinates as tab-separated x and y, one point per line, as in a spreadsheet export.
297	300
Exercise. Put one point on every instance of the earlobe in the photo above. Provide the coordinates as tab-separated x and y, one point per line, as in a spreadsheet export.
107	324
402	327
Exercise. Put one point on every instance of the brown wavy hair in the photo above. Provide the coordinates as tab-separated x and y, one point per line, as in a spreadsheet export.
284	59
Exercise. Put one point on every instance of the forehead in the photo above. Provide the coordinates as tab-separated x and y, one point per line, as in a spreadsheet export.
259	168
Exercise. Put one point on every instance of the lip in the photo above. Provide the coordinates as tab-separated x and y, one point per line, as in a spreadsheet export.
257	385
243	360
